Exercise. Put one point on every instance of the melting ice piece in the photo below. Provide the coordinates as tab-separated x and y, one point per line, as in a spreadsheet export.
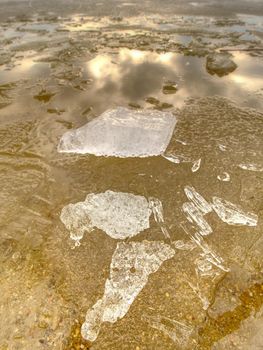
251	167
177	331
122	133
196	165
119	214
193	214
233	214
224	177
131	265
157	209
210	255
197	199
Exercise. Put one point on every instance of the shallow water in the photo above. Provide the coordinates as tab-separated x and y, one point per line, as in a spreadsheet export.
58	73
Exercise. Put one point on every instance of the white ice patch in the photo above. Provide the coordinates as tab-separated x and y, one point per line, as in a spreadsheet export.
177	331
131	265
197	200
120	215
233	214
251	167
122	133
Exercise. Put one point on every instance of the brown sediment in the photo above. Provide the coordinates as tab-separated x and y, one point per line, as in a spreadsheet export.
230	321
75	340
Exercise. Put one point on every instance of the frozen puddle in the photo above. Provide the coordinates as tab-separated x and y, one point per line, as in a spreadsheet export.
130	267
122	133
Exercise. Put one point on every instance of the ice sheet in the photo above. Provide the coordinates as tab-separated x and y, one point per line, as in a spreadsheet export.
131	265
122	133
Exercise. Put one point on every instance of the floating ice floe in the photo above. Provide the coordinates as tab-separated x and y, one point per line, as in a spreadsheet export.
131	265
196	165
122	133
224	177
120	215
251	167
233	214
177	331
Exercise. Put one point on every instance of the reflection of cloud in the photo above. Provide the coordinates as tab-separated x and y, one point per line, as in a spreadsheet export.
133	75
247	75
136	75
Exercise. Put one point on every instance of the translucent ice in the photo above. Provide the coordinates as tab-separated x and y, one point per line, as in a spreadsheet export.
197	199
131	265
196	165
224	177
123	133
173	158
210	255
194	215
157	209
251	167
232	214
119	214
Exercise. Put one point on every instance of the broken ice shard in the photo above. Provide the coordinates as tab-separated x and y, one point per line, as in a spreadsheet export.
194	215
122	133
119	214
131	265
197	199
232	214
251	167
224	177
157	209
196	165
